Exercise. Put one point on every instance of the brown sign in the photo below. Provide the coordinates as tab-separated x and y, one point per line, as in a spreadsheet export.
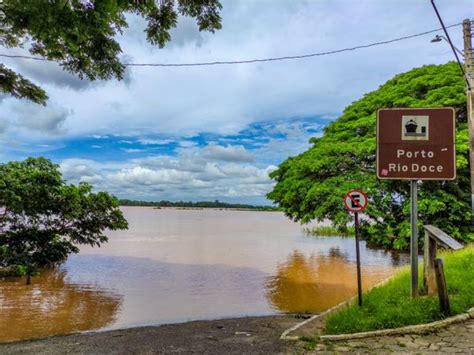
416	144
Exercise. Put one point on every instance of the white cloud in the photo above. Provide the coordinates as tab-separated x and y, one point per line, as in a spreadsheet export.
132	150
147	141
227	153
182	103
187	144
191	175
226	99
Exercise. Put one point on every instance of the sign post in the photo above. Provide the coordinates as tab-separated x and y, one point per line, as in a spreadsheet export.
414	237
356	201
416	144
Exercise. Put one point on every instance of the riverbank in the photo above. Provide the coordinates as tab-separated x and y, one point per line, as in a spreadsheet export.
250	335
227	336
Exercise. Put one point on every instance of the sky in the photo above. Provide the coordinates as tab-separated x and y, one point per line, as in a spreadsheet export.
216	132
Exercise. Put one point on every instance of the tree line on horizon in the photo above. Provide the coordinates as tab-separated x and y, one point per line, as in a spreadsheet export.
199	204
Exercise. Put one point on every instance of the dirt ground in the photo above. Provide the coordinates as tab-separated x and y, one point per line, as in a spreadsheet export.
251	335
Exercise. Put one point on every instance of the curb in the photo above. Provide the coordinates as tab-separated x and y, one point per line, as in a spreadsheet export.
410	329
285	336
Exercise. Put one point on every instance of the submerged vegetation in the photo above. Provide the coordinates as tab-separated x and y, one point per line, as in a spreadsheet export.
391	305
330	231
43	219
311	186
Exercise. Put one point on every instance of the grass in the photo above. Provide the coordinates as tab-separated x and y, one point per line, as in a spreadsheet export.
391	305
310	342
329	231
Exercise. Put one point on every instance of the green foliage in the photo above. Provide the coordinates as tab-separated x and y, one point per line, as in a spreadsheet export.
391	305
19	87
81	35
43	220
328	231
312	185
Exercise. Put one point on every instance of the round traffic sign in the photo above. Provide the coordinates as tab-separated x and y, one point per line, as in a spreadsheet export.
355	200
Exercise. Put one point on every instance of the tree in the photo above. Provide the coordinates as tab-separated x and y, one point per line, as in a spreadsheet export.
80	34
312	184
43	220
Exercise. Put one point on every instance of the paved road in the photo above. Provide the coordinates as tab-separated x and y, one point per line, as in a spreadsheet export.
252	335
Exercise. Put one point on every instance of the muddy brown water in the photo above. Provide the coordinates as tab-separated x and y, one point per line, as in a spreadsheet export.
177	265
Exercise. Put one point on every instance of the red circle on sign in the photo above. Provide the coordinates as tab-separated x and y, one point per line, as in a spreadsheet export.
353	204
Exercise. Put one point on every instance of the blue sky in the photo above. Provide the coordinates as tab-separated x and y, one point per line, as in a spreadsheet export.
216	132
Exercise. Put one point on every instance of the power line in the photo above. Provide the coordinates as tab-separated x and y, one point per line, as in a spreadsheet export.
451	44
249	61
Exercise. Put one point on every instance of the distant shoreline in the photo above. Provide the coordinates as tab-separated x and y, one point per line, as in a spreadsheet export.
206	208
200	205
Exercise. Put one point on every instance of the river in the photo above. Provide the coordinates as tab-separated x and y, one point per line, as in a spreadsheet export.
176	265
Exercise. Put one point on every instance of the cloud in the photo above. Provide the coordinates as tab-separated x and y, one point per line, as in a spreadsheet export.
227	99
148	141
187	144
4	124
132	150
49	120
221	127
228	153
172	179
195	173
186	33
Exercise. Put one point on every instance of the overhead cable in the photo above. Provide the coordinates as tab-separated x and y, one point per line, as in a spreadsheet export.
258	60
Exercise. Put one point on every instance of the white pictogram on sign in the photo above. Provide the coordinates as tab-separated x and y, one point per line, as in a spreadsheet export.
415	128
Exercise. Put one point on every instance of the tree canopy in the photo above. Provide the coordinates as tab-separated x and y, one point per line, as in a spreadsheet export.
81	34
311	186
43	219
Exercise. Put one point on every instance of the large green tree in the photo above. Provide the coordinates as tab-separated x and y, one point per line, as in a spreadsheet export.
311	185
43	219
81	34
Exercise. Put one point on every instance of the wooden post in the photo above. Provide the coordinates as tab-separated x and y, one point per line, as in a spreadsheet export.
429	256
469	69
442	288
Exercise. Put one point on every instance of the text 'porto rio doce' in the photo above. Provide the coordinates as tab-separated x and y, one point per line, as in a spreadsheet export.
417	166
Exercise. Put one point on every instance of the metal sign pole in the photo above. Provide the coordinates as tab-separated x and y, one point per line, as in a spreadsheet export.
359	276
414	237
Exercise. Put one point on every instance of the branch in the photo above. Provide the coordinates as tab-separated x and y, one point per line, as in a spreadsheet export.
19	87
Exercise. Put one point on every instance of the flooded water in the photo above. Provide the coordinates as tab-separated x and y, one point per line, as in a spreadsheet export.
179	265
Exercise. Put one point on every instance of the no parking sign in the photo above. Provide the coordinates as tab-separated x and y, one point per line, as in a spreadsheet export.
355	200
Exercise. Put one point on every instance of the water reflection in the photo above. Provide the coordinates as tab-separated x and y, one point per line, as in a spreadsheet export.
53	306
177	265
316	282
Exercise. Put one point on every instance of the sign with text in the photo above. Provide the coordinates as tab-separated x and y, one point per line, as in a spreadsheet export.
416	144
